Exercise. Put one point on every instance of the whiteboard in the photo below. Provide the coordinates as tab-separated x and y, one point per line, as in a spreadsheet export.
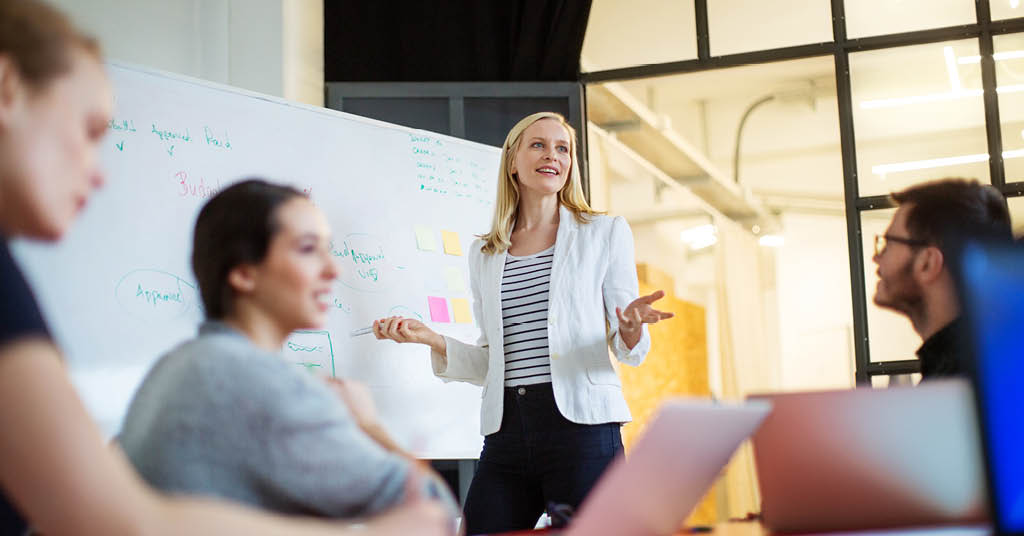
118	291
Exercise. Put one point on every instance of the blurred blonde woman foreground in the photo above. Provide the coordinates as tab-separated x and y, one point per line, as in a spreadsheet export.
57	474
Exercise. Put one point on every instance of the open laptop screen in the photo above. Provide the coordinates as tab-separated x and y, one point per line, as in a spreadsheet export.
993	283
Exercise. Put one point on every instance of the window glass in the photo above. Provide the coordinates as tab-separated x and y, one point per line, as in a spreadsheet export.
638	32
880	17
918	115
743	26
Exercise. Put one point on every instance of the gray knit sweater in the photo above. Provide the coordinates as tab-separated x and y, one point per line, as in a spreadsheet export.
219	416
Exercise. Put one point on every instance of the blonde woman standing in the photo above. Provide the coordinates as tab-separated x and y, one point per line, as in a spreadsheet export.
554	286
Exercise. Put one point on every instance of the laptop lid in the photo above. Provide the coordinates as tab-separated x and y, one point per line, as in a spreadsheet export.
668	470
866	458
992	285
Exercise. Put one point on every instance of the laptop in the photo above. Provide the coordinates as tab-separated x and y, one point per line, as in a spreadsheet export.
668	470
865	458
992	286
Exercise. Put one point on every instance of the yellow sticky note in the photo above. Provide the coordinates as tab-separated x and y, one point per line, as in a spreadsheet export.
451	243
425	239
460	309
454	278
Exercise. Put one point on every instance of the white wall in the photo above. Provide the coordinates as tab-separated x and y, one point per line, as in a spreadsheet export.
815	307
270	46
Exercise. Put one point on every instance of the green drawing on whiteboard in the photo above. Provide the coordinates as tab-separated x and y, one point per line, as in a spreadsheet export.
309	366
310	343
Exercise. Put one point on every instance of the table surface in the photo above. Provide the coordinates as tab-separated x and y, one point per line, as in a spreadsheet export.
754	528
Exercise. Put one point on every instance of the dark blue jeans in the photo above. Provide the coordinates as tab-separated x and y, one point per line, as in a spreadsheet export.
538	456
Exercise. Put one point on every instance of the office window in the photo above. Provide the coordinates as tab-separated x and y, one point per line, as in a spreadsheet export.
638	32
743	26
918	115
892	338
880	17
1016	205
789	159
1009	60
1006	9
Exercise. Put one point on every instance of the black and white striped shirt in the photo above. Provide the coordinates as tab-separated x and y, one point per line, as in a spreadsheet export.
524	314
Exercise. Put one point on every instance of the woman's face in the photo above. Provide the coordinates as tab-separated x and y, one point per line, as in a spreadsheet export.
543	160
292	285
49	137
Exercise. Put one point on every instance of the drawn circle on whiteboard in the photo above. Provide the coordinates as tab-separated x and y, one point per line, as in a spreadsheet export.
404	311
155	294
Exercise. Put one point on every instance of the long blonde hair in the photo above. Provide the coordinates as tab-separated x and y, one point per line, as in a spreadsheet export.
506	207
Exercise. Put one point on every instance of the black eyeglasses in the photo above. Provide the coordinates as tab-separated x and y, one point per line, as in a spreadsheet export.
882	242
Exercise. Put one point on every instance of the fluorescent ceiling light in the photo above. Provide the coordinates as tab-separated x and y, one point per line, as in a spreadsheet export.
954	74
917	99
884	169
772	241
956	89
935	97
998	56
699	237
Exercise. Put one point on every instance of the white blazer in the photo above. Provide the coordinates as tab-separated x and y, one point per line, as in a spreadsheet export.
592	273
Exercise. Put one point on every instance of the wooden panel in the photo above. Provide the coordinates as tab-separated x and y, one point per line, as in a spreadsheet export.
677	365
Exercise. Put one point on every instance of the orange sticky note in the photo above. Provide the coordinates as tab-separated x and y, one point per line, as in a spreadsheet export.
460	310
451	243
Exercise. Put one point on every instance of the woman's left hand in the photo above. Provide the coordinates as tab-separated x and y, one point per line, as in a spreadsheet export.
638	313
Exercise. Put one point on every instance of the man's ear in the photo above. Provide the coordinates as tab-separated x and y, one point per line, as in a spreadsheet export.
11	87
930	264
242	278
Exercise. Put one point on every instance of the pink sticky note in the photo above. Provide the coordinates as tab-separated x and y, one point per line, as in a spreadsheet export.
438	309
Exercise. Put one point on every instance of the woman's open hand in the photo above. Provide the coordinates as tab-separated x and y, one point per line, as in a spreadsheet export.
638	313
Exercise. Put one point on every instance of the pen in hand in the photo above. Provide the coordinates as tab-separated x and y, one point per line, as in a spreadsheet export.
361	331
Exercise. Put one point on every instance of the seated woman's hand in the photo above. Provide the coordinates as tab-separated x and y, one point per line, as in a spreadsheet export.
357	397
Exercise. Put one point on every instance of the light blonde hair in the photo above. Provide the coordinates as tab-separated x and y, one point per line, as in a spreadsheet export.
506	207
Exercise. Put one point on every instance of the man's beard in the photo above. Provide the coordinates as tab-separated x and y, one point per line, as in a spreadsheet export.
903	293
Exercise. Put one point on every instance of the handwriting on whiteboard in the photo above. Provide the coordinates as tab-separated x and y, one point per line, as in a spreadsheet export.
442	172
155	294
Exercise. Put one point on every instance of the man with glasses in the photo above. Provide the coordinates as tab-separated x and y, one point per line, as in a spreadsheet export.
913	256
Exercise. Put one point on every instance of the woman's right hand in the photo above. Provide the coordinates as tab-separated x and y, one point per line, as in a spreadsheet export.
417	514
399	329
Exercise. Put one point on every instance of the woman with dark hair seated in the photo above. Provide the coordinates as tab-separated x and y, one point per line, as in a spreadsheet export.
224	414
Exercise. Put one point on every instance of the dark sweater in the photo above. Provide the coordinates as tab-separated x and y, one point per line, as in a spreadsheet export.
946	352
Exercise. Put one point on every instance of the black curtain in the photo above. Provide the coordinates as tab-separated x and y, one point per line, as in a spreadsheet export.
453	41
